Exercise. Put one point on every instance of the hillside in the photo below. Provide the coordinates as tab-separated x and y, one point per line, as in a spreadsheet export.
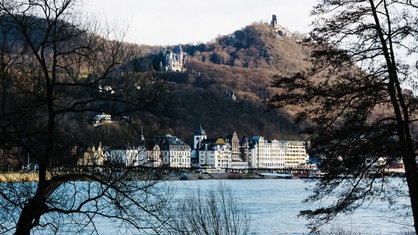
220	86
225	83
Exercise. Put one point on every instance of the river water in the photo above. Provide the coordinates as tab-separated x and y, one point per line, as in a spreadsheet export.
274	205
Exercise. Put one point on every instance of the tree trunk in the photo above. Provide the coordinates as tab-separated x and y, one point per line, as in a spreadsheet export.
35	207
400	109
412	181
30	215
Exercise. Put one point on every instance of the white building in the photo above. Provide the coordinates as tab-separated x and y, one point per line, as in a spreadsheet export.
141	156
215	154
101	119
198	137
175	153
275	154
154	157
266	153
295	153
134	155
174	59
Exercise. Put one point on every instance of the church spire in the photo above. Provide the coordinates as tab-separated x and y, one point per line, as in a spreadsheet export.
142	135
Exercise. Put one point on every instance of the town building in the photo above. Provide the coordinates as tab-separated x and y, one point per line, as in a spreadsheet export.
266	153
295	153
93	157
275	154
166	150
238	161
175	153
244	149
149	153
154	157
146	154
215	154
198	137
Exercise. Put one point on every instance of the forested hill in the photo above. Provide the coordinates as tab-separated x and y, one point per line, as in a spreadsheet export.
225	83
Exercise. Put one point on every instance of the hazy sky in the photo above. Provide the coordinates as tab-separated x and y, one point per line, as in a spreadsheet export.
168	22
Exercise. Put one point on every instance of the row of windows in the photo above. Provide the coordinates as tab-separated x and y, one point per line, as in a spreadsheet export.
273	164
179	153
181	160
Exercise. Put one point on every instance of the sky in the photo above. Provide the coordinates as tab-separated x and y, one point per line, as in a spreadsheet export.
168	22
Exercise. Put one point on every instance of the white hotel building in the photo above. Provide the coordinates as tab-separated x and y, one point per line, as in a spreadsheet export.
276	154
266	153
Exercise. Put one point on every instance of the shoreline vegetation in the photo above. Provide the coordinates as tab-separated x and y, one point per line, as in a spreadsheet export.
13	177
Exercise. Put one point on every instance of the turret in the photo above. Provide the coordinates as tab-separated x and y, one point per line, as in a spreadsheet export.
274	21
199	135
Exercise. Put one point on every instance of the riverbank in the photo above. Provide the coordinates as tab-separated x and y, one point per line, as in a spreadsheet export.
19	177
33	176
208	176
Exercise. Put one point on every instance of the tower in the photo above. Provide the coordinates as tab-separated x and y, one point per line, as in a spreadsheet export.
199	135
179	53
274	21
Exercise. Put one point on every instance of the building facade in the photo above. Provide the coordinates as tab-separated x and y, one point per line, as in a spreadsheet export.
215	154
295	153
93	157
154	157
175	153
198	137
275	154
174	59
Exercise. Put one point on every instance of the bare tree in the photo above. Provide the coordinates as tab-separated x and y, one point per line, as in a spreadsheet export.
216	211
361	118
54	69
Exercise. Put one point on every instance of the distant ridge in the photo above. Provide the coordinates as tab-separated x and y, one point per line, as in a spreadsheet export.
225	83
221	86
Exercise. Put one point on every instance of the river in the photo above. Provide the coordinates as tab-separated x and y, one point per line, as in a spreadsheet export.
274	205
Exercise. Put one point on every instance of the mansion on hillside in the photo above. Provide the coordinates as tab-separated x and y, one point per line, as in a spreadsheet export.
173	60
217	154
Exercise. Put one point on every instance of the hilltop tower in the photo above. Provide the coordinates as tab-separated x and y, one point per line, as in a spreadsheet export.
277	27
274	21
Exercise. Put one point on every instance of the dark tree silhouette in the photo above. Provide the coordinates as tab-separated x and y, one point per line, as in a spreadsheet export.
54	69
361	119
